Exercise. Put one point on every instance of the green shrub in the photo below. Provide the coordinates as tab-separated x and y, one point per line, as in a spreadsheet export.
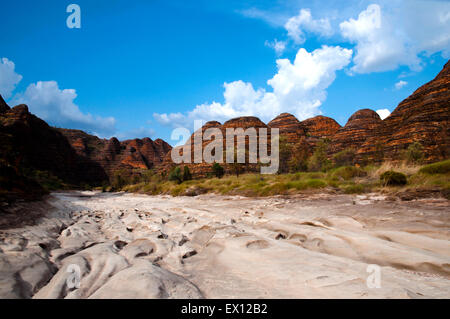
275	189
218	170
393	178
319	160
299	157
314	175
187	176
175	175
178	190
47	180
436	168
307	184
284	154
414	153
118	181
354	189
315	183
299	185
348	172
344	158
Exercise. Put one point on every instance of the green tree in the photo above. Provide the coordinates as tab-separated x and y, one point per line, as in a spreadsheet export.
175	175
344	157
218	170
118	180
319	160
299	158
414	153
187	176
236	167
285	154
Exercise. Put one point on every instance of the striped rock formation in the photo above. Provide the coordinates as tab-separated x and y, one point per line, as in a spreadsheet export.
359	128
320	127
114	156
290	127
423	117
204	168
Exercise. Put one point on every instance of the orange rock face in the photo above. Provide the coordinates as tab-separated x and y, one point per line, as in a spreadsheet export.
113	155
3	106
28	144
320	127
360	126
204	168
289	126
423	117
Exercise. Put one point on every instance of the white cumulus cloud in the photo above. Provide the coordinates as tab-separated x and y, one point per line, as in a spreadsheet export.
278	46
46	100
298	88
400	84
383	113
8	77
393	35
304	22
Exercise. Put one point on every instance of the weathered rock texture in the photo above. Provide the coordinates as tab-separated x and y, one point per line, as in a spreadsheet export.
114	156
30	147
423	117
290	127
320	127
28	144
203	168
359	127
3	106
137	246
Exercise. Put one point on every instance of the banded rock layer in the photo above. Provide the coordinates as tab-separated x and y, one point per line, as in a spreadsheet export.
113	155
423	117
203	168
31	150
359	127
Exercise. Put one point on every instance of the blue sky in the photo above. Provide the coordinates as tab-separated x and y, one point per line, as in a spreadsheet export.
141	68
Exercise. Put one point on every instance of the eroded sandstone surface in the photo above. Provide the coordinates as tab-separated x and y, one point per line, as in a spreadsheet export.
307	246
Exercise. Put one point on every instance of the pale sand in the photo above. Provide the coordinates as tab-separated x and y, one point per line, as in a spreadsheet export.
315	246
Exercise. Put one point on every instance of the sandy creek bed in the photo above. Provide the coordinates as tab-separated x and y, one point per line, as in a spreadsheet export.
314	246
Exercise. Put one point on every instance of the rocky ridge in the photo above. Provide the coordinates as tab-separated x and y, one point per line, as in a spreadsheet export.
31	150
113	155
423	117
27	142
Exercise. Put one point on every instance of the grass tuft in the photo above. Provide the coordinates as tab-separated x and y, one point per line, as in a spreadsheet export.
436	168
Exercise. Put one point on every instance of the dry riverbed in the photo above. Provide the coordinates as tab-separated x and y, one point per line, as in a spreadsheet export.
118	245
